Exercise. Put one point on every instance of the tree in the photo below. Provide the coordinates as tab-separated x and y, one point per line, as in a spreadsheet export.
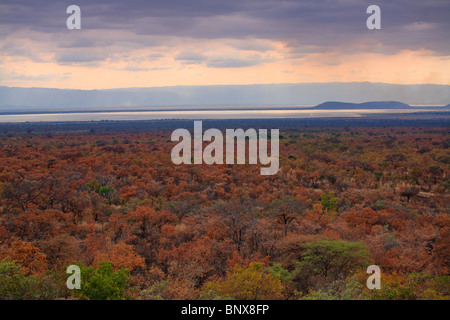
149	220
378	175
103	283
22	192
35	224
14	285
395	287
108	193
409	193
122	255
332	258
288	210
277	270
435	171
60	249
28	256
328	202
245	283
237	215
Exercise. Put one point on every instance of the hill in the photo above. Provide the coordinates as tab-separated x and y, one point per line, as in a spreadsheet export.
334	105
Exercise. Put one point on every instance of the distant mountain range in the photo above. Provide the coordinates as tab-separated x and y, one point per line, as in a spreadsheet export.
333	105
15	99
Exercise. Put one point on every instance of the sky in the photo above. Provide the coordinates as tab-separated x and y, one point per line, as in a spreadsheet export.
142	43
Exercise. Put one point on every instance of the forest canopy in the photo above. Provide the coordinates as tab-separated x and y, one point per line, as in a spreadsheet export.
109	199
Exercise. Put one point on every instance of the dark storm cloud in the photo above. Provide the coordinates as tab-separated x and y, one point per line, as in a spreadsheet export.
304	26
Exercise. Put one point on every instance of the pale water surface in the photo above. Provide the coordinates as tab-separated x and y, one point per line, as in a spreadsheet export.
197	114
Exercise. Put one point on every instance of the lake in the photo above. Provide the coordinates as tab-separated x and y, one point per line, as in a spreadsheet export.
197	114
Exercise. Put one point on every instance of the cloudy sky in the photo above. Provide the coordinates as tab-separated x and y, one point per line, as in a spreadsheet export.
142	43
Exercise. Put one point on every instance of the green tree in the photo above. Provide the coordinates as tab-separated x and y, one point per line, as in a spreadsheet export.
277	270
14	285
107	192
103	283
328	202
394	287
378	175
332	258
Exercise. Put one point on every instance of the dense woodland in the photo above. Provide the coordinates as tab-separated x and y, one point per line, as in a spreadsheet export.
109	199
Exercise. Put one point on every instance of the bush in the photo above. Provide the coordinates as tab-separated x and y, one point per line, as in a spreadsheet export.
103	283
14	285
328	202
245	283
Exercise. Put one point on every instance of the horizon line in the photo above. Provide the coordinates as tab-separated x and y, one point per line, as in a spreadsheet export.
233	85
